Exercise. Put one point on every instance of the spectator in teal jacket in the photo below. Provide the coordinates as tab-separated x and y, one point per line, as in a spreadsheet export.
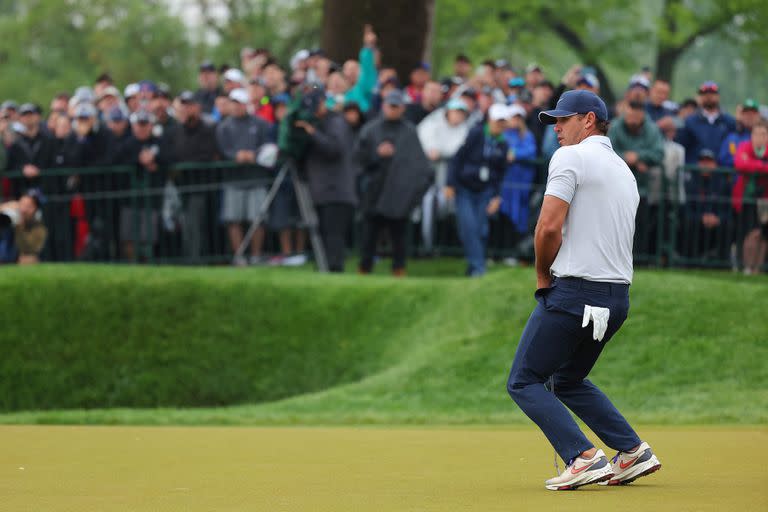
637	139
362	91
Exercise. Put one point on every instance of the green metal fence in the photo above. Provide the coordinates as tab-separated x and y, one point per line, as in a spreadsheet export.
123	214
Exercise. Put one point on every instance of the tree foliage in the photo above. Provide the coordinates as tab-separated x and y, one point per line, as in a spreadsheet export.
50	45
614	37
282	26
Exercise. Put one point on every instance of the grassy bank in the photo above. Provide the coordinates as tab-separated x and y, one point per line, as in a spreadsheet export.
98	344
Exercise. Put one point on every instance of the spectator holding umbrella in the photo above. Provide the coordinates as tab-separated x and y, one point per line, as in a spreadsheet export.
474	179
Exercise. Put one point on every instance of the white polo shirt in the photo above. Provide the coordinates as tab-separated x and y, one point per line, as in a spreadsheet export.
600	226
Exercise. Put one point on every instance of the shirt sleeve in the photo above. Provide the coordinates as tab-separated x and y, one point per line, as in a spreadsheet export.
563	175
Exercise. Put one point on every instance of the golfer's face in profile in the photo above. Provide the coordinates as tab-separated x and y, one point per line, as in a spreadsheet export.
568	129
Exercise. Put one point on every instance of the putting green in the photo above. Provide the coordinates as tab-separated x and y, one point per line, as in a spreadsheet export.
358	469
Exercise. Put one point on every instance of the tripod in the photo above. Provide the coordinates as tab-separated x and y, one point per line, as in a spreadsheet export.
306	209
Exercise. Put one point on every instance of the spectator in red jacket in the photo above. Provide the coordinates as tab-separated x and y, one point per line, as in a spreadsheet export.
750	196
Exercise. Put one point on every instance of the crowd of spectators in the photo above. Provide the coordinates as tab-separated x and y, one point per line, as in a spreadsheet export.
381	146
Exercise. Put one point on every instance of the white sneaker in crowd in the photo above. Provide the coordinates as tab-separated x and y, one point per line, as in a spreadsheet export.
580	471
295	260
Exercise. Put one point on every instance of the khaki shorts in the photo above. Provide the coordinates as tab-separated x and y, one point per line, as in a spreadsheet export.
242	204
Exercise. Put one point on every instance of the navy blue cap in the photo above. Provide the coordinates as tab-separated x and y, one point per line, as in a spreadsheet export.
575	102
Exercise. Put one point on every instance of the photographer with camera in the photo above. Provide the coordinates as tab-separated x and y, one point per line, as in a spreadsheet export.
330	170
22	233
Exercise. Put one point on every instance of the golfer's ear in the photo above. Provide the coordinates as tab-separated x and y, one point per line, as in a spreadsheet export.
591	119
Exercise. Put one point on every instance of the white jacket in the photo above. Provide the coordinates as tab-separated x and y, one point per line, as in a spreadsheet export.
435	133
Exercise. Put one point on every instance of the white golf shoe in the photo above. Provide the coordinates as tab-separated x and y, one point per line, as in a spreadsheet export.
629	466
581	471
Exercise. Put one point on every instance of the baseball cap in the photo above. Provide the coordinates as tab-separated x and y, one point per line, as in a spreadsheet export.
188	97
164	90
639	81
517	110
84	93
110	90
707	154
9	105
498	112
299	57
589	80
456	104
116	114
234	75
394	98
518	81
29	108
574	102
532	67
469	92
147	86
142	116
131	90
207	65
85	110
750	104
709	86
239	95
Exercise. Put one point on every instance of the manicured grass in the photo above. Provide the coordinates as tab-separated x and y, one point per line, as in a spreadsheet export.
84	468
142	345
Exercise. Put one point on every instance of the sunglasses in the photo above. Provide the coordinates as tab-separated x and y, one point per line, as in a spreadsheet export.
708	88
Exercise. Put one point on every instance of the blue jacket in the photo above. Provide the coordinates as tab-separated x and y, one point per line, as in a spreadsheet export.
697	134
728	148
479	151
518	179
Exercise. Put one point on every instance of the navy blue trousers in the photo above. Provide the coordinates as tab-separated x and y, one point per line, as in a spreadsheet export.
554	344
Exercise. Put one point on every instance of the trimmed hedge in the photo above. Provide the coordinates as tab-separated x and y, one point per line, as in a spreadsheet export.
85	337
296	347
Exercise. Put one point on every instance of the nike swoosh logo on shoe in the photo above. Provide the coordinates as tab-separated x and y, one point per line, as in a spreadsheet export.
577	471
625	466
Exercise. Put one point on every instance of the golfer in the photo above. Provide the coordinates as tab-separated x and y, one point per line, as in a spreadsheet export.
583	246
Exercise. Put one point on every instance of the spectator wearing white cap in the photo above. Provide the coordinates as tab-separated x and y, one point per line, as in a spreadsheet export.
108	98
239	137
90	142
139	226
131	95
474	179
233	79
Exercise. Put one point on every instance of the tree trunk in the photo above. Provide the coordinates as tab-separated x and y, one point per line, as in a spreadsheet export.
402	26
666	60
